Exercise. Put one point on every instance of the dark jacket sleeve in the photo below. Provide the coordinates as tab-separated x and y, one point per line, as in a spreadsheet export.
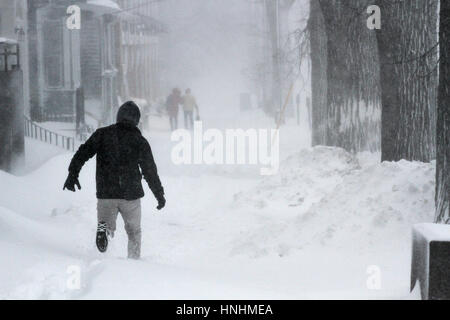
149	170
84	153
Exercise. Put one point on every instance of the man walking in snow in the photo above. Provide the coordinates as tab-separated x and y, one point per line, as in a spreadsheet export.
172	104
189	104
123	157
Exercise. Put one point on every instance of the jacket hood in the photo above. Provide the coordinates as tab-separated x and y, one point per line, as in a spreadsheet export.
129	113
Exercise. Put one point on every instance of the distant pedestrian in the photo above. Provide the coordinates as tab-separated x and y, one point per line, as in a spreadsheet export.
189	104
172	104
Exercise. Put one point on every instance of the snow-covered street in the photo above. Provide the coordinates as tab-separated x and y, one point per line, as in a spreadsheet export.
314	230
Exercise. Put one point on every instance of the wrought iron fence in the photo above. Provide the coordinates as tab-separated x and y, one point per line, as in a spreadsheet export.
32	130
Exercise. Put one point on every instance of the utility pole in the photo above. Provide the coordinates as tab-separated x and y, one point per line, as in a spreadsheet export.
278	58
265	56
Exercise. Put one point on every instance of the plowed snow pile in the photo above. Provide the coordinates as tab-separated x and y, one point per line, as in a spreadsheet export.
327	196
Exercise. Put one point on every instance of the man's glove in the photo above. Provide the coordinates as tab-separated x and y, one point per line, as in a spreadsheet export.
70	183
161	201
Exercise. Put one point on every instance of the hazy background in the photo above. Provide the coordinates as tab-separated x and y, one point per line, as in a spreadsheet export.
208	49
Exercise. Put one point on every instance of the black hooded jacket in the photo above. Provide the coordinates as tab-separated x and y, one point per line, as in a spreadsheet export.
123	157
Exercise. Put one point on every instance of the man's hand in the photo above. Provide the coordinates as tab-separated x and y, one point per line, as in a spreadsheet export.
71	182
161	201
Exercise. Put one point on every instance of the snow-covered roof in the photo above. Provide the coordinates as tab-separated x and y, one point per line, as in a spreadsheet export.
101	7
433	231
8	41
104	3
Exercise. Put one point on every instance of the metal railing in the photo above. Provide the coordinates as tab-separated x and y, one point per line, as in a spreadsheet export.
32	130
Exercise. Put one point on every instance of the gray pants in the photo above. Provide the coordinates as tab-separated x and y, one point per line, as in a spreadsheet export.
107	211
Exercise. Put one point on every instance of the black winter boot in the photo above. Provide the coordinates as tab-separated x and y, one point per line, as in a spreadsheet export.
102	238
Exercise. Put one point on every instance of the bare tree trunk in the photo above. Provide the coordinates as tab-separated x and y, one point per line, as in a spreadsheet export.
353	95
443	119
318	44
273	25
406	44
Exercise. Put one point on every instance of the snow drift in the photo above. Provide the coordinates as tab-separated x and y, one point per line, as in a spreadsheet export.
312	231
325	195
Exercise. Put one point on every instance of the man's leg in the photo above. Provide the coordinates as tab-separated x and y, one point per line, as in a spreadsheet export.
173	122
191	119
186	122
131	214
107	210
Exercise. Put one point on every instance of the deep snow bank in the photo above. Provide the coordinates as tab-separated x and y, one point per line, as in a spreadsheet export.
325	196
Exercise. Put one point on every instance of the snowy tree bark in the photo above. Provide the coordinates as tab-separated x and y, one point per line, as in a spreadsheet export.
408	57
443	119
353	95
319	66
